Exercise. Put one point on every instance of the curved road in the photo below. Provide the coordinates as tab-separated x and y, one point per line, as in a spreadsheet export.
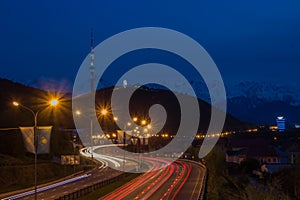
180	180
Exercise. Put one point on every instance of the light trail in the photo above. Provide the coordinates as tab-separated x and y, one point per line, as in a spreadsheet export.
24	194
148	184
102	158
182	178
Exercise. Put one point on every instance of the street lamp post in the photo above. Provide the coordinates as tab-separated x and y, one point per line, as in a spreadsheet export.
74	152
136	141
124	141
35	137
103	112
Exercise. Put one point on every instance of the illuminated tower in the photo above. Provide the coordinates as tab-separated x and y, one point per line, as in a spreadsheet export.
280	123
92	70
92	67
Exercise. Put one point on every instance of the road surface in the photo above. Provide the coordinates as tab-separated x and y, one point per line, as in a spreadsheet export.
180	180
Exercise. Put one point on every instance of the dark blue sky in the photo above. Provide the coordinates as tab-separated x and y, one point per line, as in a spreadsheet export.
248	40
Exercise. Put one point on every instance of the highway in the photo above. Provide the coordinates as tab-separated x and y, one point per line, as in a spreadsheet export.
95	176
180	180
192	188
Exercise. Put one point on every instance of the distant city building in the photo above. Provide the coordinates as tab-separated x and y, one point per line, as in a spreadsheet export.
280	123
273	128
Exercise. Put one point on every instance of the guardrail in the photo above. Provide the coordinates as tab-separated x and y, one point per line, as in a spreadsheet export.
89	189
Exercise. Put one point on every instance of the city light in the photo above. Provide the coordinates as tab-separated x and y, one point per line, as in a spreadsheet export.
53	102
77	112
104	111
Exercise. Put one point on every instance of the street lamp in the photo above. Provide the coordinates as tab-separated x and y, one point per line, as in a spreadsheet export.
53	102
146	130
143	122
149	126
124	141
102	112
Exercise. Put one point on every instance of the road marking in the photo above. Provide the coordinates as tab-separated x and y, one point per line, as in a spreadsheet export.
196	184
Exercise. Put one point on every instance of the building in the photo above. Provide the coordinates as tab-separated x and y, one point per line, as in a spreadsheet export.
268	155
259	149
293	149
236	155
280	121
264	154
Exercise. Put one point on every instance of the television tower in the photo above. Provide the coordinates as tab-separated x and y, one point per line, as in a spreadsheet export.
92	67
92	78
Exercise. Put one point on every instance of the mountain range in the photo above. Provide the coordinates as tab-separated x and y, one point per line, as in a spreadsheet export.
250	101
257	102
140	103
261	102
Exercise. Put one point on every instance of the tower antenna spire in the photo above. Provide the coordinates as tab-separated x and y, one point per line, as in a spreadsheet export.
92	39
92	66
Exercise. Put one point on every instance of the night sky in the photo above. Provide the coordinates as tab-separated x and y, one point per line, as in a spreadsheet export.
248	40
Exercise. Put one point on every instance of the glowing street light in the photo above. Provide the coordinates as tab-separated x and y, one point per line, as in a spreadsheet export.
77	112
52	102
104	112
